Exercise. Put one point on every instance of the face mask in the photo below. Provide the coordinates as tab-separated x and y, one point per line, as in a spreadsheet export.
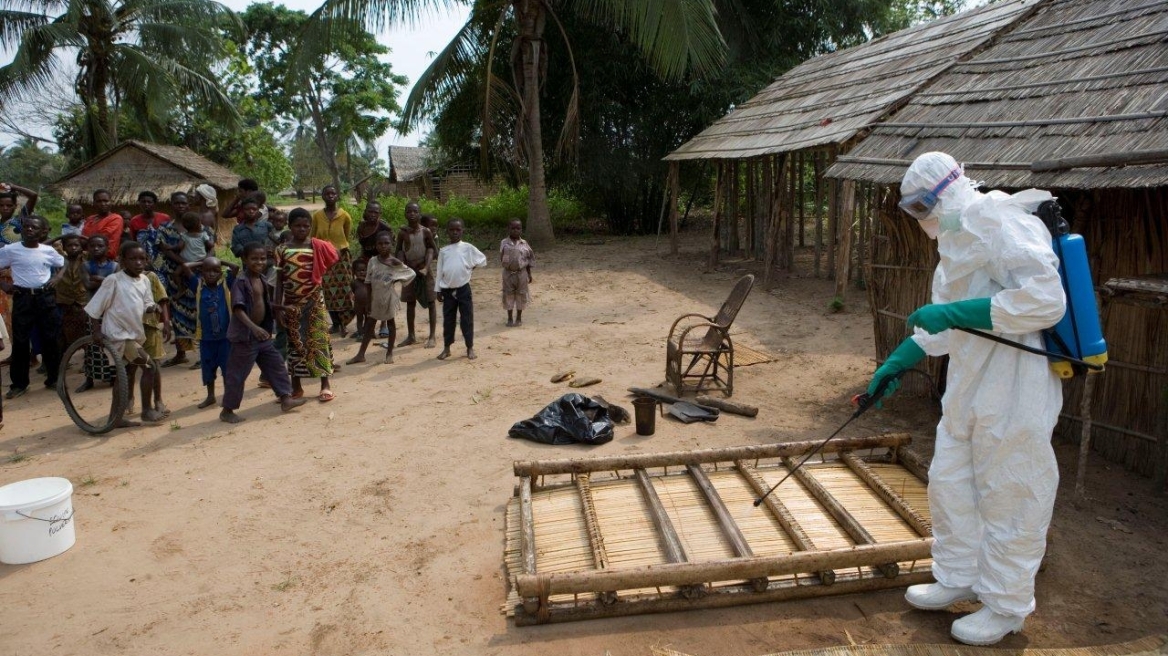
931	226
950	221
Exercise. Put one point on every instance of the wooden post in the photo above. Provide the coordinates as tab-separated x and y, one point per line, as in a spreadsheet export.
799	195
775	212
781	514
818	212
737	569
595	539
1161	471
527	541
890	496
788	261
843	260
726	522
1084	436
533	468
732	241
670	542
674	172
748	223
841	515
718	201
768	191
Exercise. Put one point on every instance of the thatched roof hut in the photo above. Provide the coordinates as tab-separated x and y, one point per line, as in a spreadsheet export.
136	166
1071	99
806	118
415	173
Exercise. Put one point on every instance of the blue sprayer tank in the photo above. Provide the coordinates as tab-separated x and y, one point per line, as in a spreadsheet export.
1078	334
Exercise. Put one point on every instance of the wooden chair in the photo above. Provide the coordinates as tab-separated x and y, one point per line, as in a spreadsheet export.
698	364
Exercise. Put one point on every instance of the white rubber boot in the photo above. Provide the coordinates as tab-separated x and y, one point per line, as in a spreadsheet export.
934	596
985	627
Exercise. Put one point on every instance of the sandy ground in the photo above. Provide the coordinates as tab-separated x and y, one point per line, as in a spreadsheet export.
374	524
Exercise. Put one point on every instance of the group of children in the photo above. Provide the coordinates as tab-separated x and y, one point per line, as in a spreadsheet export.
134	284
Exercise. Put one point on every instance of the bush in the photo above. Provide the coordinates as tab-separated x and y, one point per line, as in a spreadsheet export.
485	221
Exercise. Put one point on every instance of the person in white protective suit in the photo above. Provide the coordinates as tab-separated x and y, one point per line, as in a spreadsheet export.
993	478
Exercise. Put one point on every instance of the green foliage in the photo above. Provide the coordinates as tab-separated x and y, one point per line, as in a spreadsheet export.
144	56
486	220
28	165
340	94
263	160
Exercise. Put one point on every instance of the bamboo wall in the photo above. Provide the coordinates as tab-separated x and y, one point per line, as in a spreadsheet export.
1125	235
771	209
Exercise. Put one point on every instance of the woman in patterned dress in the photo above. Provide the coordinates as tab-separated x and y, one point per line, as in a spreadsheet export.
334	225
183	306
302	263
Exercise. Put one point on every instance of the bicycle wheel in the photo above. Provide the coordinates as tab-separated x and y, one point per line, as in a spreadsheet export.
99	409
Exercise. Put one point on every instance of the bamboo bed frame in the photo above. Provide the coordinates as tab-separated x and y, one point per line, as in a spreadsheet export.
626	535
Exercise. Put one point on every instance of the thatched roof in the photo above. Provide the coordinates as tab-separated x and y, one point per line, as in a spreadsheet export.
135	166
408	162
1078	78
831	98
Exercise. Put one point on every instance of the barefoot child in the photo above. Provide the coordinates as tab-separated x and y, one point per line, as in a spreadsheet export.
360	298
250	333
213	306
156	323
415	247
385	298
97	268
72	294
456	260
516	257
116	312
301	267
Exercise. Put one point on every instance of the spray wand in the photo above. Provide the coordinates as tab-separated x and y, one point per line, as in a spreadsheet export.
862	403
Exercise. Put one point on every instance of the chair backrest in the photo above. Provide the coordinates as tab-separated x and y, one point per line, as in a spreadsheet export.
730	308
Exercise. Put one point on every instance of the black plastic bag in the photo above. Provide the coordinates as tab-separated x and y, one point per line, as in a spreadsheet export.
570	419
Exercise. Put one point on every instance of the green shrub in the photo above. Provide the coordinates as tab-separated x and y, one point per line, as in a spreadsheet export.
485	221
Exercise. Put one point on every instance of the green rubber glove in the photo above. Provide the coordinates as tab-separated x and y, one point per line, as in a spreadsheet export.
974	313
901	360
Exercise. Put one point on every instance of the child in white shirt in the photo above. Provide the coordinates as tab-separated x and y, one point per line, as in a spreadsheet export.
456	260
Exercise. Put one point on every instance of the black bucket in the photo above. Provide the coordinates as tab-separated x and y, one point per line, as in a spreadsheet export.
645	412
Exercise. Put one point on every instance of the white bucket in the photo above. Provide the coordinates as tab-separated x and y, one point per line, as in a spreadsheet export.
36	520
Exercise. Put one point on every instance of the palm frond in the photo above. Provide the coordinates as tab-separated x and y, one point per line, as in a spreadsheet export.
13	25
490	105
570	133
451	65
674	36
35	62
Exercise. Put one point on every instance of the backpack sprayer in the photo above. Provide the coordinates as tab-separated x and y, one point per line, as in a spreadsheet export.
1075	344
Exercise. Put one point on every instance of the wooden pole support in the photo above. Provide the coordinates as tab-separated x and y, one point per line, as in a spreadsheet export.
784	516
666	534
843	260
726	522
841	515
890	496
673	184
728	406
595	539
534	468
527	542
738	569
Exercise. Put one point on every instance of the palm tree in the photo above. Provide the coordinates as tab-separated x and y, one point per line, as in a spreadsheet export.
674	36
141	55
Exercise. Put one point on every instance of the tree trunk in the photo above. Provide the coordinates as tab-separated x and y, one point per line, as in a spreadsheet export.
327	147
531	17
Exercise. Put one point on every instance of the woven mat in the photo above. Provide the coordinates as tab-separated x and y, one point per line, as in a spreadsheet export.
744	356
1150	646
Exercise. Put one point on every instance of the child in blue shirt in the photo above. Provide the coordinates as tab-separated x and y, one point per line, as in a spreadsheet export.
213	311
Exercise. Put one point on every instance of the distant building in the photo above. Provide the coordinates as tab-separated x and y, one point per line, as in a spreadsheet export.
414	174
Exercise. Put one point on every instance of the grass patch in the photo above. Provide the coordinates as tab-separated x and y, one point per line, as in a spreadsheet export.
87	481
18	457
286	584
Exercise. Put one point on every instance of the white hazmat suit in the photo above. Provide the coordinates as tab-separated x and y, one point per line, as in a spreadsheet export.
993	478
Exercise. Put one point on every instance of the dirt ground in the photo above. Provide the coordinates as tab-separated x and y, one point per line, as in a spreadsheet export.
374	524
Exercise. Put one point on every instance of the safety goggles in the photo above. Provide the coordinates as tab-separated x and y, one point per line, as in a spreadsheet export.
920	204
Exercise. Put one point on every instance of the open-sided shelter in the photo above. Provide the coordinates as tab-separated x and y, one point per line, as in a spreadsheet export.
136	166
1074	99
415	173
770	151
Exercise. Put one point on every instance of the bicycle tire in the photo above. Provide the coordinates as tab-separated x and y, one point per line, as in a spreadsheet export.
121	389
